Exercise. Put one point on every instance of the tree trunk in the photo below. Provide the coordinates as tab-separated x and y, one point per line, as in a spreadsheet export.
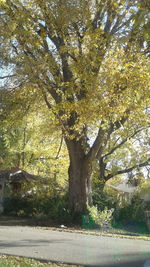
101	176
80	172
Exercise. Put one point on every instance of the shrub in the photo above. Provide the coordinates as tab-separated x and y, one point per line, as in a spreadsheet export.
101	218
53	207
102	199
133	211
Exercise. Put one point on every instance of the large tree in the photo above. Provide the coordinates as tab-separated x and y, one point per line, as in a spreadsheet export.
84	59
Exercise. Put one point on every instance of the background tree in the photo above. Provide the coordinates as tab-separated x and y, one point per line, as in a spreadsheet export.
27	144
82	58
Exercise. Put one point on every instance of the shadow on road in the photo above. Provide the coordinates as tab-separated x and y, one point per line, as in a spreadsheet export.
31	243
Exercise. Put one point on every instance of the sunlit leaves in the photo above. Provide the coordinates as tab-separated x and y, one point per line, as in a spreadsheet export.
77	66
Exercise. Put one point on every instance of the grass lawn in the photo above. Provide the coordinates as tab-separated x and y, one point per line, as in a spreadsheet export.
12	261
132	228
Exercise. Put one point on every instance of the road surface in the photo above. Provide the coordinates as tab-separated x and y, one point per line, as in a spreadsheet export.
75	248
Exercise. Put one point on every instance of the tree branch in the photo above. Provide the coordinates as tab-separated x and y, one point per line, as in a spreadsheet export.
122	142
113	127
7	76
97	145
61	142
127	170
101	8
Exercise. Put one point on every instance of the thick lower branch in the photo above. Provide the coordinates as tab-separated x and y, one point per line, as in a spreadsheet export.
127	170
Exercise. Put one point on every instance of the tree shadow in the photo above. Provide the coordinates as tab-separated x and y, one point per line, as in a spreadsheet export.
132	228
31	243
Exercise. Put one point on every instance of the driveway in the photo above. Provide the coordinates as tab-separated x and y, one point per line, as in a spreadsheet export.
75	248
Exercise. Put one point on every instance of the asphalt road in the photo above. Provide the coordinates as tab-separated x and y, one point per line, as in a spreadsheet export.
88	250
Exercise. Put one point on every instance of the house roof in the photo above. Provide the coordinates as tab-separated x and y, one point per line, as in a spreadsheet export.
124	188
16	174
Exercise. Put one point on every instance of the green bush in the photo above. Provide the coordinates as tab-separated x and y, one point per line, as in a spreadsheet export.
17	206
55	207
39	199
131	212
101	218
101	199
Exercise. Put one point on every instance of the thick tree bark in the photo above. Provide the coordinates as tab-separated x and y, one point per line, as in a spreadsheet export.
80	172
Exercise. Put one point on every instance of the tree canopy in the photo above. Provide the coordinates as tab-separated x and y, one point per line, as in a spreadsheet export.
87	62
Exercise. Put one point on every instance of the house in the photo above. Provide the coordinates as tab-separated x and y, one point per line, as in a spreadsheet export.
125	192
12	181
